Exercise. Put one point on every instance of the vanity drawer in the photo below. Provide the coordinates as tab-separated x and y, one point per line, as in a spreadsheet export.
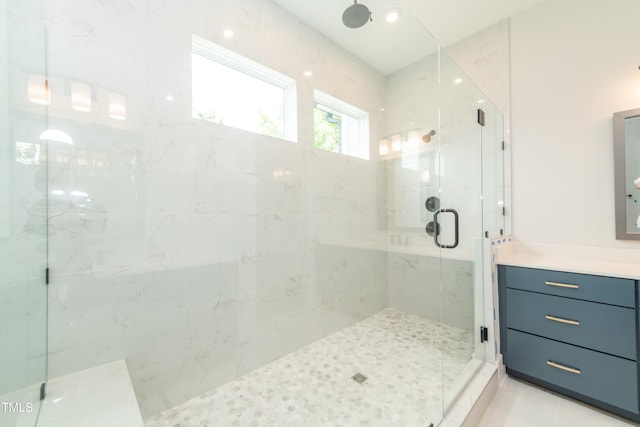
610	379
601	327
608	290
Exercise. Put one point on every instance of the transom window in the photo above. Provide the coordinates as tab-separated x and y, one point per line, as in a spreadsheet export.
340	127
234	91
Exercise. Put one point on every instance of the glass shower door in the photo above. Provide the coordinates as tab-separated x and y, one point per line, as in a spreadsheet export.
23	211
458	226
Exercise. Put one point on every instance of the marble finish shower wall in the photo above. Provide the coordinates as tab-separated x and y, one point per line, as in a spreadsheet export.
431	287
195	251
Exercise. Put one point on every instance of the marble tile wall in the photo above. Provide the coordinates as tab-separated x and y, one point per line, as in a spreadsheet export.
195	251
435	288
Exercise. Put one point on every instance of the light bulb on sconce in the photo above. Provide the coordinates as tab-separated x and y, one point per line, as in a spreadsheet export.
80	97
383	147
38	90
413	137
396	143
117	106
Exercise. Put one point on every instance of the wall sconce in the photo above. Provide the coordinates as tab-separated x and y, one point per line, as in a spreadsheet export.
413	138
80	97
383	147
38	89
396	143
407	143
117	106
410	151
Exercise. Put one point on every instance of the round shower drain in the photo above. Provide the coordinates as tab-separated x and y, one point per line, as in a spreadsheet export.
359	378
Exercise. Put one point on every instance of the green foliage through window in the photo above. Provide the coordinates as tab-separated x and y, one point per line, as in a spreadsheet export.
326	130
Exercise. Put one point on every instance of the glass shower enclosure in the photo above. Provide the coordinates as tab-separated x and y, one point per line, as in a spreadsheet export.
23	211
231	265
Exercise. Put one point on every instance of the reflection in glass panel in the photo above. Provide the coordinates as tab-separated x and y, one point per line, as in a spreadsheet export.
23	212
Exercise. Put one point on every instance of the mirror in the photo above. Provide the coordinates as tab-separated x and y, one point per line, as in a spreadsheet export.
626	135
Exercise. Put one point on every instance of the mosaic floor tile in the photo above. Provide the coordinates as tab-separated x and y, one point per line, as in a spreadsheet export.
398	354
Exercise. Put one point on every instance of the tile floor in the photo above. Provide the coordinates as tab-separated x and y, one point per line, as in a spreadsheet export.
519	404
314	387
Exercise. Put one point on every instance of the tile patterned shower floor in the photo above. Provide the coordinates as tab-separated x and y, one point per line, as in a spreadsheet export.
399	353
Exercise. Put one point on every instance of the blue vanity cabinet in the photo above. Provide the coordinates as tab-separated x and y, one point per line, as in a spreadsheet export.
576	334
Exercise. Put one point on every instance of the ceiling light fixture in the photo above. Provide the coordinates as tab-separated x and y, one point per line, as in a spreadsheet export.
392	15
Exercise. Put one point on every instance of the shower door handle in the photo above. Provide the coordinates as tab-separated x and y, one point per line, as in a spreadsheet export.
456	227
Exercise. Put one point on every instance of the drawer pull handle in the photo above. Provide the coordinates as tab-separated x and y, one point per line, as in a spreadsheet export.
561	320
564	368
562	285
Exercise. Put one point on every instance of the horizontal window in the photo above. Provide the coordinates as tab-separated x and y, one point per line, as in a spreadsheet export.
232	90
340	127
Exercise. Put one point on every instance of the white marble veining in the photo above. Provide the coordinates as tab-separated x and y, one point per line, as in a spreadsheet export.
400	354
484	56
98	397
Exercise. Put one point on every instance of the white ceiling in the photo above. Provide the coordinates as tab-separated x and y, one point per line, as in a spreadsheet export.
389	47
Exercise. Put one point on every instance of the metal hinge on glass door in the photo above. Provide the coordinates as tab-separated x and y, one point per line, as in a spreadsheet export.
46	276
484	334
480	117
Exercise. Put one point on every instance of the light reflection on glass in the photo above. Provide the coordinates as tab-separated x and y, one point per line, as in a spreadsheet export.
38	89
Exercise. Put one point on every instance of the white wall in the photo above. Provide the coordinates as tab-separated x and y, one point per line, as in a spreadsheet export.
573	64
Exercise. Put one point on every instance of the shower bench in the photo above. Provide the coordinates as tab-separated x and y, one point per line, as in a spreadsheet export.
573	333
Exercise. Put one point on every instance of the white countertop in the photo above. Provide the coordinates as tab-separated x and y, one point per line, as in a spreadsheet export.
613	262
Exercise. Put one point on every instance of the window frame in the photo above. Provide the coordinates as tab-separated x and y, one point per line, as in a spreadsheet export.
223	56
337	106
